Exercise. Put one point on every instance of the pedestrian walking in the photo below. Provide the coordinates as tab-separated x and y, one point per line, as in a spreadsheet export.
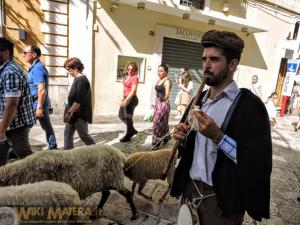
186	92
297	124
178	80
16	111
78	112
129	100
161	108
226	158
38	84
255	87
271	108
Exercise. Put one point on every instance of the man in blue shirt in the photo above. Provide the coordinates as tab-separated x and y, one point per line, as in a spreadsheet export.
38	84
16	112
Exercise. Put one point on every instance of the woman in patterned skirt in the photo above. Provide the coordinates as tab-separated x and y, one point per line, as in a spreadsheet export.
161	108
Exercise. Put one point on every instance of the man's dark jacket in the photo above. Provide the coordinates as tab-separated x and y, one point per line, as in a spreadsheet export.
245	185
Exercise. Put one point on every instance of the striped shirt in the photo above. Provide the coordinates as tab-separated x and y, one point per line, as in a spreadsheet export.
13	83
205	152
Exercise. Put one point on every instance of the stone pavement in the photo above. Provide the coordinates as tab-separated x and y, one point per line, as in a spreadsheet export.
285	187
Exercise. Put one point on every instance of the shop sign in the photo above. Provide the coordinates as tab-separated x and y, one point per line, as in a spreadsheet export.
189	35
292	68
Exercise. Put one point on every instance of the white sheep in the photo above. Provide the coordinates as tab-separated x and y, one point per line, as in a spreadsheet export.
34	202
143	166
88	169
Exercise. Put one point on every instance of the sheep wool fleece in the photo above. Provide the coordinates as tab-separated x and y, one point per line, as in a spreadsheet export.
87	169
46	194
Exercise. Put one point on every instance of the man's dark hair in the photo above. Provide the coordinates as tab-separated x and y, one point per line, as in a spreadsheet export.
36	49
231	44
7	45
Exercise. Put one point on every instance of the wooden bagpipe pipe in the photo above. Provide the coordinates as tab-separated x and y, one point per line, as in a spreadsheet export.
185	120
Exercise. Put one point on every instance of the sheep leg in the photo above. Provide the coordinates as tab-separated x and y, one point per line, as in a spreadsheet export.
141	186
153	190
128	196
104	197
133	188
165	194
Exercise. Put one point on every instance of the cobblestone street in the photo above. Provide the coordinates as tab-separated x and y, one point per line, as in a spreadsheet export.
285	208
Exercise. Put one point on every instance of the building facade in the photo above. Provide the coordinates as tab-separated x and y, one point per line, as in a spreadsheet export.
105	34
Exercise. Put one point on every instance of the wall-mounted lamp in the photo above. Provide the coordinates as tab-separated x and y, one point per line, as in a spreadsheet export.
245	30
225	8
211	22
141	5
151	33
185	16
114	6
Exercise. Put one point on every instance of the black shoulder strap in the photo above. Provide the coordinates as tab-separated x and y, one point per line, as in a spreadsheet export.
228	115
230	111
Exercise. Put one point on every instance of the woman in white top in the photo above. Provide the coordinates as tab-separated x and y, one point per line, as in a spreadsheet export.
271	108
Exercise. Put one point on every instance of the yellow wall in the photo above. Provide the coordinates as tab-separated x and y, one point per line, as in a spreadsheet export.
25	14
126	31
263	52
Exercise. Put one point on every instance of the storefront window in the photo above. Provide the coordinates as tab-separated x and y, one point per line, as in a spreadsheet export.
122	60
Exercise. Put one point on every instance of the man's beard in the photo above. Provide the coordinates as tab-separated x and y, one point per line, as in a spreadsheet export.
216	79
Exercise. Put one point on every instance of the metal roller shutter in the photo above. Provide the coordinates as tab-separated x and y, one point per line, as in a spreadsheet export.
178	54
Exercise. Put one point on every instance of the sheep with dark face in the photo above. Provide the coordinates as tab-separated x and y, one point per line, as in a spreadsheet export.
88	169
35	201
143	166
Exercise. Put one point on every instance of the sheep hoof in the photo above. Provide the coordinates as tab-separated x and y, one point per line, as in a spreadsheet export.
93	217
97	214
134	217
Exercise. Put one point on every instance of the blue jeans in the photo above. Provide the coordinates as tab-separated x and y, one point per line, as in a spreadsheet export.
81	127
47	126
